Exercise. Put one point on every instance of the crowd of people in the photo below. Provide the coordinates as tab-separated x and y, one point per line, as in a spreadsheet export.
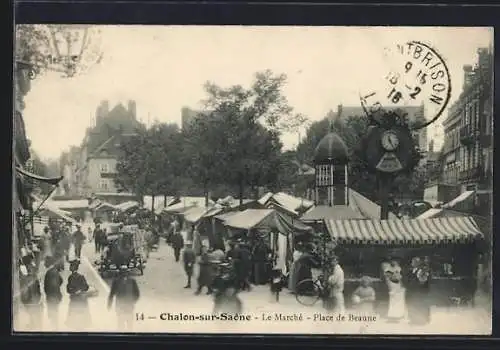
57	247
225	273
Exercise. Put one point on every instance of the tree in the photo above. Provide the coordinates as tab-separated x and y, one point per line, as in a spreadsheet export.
247	124
149	161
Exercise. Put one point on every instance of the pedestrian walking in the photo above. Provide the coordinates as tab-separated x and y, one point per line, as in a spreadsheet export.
177	244
189	259
89	234
77	239
126	292
31	294
78	313
52	288
65	240
205	275
97	236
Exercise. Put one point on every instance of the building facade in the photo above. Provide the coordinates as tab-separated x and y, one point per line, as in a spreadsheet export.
468	132
96	159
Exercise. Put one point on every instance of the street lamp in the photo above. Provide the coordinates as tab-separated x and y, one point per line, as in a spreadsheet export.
68	49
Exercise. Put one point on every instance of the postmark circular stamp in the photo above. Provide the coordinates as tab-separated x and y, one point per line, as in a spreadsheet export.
417	76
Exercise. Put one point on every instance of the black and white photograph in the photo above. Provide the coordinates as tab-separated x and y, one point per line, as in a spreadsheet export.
252	179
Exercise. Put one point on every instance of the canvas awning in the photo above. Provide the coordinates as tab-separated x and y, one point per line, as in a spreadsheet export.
213	212
429	231
248	219
194	214
225	216
337	212
52	181
105	206
125	206
55	213
177	208
266	220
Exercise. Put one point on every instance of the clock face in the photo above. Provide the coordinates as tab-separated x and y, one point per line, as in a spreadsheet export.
390	141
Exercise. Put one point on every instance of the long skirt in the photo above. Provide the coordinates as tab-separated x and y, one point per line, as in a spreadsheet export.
397	307
418	309
260	273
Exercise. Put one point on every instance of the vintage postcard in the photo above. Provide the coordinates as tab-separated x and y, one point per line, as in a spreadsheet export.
252	179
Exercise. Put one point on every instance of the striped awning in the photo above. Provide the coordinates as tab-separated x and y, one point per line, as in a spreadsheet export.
427	231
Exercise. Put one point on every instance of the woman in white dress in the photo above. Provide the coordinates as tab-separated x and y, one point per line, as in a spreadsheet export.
393	279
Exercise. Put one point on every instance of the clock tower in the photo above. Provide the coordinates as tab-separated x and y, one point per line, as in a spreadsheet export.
330	163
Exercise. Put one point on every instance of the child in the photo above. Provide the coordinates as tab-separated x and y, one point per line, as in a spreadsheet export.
363	298
277	282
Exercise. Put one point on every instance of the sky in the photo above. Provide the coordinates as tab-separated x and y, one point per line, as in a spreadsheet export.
163	68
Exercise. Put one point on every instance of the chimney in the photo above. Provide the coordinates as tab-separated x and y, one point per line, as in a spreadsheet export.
132	108
468	75
101	112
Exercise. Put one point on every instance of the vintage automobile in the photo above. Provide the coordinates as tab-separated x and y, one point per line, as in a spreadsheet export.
120	250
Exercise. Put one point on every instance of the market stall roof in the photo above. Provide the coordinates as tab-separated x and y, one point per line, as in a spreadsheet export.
248	219
55	213
359	207
159	202
266	220
265	198
413	231
225	216
337	212
177	208
213	212
288	203
105	206
71	204
194	214
127	205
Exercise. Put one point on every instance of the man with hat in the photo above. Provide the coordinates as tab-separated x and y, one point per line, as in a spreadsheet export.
78	312
189	259
78	238
126	292
52	288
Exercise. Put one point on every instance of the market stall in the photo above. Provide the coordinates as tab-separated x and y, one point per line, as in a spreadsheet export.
276	229
451	244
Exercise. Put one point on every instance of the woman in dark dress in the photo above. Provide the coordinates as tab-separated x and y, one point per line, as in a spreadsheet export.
261	263
78	313
417	283
205	274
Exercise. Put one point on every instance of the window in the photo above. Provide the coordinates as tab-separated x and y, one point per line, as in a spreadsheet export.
103	185
105	168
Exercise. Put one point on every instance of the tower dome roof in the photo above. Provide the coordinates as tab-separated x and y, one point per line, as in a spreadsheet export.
331	147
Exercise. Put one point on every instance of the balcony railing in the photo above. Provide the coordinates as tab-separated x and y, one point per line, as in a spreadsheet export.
476	173
468	134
